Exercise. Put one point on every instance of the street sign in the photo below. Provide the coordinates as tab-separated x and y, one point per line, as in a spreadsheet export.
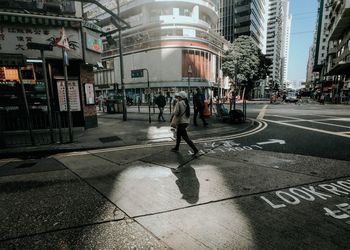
136	73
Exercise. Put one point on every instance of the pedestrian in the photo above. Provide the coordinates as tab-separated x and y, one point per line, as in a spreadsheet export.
181	120
322	99
161	102
101	102
198	106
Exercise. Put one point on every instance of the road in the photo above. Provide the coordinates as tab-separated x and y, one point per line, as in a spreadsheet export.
314	130
283	186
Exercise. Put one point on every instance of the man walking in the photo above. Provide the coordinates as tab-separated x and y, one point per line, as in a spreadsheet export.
198	105
161	102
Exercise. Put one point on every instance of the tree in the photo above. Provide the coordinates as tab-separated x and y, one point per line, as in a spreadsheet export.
245	63
264	65
241	59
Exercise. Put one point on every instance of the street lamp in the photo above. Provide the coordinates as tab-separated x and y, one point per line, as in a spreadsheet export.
189	72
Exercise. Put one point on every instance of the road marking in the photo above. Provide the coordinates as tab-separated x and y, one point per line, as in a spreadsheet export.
262	113
261	126
312	129
314	121
272	141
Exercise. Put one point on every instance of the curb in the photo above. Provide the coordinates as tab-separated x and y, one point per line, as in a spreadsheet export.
46	150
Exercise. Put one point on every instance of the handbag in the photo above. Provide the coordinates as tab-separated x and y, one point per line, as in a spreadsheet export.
173	121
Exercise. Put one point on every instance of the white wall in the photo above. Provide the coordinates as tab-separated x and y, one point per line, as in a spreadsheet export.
163	65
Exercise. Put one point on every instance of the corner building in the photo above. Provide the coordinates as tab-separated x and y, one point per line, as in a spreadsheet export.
176	41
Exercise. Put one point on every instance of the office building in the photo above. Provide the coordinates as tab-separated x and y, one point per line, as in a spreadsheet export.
244	17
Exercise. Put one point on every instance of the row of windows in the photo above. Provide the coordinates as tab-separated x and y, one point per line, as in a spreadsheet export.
152	38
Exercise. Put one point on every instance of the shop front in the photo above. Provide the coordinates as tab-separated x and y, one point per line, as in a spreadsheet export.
45	94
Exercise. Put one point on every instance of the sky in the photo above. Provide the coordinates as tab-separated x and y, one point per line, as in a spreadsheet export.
304	14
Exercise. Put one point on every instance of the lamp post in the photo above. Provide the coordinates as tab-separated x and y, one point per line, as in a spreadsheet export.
189	72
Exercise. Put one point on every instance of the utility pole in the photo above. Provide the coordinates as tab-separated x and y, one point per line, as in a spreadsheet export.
121	66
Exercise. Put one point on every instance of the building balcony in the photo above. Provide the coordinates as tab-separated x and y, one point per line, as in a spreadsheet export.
341	20
332	51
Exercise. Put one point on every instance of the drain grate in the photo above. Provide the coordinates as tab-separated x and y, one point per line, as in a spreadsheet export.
26	165
109	139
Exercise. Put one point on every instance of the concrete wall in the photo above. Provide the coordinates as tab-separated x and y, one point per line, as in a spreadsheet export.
169	70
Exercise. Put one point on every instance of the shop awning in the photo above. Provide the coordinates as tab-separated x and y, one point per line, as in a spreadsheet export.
340	69
36	19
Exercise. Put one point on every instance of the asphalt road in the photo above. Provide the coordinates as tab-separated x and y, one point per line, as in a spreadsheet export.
284	187
306	129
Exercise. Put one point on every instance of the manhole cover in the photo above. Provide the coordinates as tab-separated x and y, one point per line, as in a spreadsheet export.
109	139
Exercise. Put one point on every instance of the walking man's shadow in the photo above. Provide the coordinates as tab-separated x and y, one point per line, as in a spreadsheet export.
187	182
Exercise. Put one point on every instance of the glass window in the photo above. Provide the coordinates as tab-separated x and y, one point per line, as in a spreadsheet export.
185	12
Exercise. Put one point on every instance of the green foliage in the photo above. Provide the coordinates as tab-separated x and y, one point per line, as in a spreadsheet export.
246	58
242	58
264	65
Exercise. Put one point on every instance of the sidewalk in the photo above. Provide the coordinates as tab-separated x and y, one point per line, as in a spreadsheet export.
147	197
112	131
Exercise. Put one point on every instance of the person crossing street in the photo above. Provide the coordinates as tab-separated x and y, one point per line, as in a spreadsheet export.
198	106
161	102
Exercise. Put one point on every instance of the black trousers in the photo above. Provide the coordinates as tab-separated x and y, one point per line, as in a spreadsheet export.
195	114
182	132
160	115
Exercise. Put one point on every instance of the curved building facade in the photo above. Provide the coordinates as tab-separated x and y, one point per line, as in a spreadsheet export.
175	40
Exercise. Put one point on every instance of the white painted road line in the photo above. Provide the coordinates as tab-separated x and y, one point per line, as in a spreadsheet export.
262	113
294	119
307	128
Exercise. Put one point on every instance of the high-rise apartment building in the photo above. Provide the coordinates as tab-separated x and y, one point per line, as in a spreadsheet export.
321	36
278	36
175	41
244	17
338	64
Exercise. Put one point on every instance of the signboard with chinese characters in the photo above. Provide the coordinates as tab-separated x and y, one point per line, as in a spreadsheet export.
89	94
14	39
73	93
94	44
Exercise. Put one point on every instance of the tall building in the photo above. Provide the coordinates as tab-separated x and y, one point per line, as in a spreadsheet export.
321	36
338	64
244	17
176	42
278	36
310	75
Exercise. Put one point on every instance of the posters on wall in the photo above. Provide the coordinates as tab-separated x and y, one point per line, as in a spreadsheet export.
89	94
73	93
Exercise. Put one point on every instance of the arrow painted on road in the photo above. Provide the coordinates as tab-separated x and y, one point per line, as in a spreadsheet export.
271	141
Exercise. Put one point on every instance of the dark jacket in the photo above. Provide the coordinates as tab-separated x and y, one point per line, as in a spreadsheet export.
198	100
160	101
